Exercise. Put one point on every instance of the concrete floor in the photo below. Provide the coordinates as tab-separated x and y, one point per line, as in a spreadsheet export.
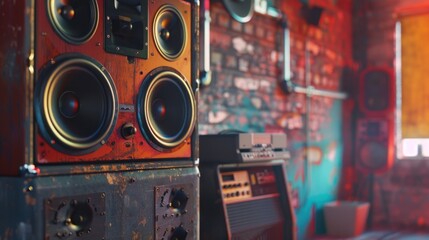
383	235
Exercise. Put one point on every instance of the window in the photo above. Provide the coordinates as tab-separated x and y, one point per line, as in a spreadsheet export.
412	76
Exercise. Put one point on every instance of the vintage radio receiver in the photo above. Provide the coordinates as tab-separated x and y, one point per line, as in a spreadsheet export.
246	201
243	147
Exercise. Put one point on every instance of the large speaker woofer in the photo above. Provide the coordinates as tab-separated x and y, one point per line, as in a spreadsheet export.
166	109
169	31
74	20
76	104
240	10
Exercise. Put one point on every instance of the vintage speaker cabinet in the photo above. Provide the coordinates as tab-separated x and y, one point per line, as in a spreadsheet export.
105	82
246	201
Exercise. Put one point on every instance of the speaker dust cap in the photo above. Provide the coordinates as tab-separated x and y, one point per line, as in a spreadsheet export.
76	104
166	109
169	31
74	20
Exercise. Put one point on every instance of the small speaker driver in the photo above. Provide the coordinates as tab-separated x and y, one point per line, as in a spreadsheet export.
74	20
169	31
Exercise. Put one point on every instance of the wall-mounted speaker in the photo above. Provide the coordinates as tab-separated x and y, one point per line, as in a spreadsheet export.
377	91
311	14
374	144
97	82
240	10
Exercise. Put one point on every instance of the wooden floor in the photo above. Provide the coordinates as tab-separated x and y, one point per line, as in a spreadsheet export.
382	235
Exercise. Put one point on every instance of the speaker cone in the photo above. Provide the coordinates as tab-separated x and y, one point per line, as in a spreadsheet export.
240	10
166	109
169	31
373	155
74	20
79	216
76	104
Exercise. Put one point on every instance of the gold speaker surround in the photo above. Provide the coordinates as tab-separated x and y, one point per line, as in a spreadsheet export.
165	95
76	104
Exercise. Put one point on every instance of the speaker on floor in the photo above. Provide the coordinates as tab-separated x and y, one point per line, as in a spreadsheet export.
375	129
97	82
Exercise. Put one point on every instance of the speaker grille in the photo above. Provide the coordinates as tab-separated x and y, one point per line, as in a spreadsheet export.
255	214
76	104
74	20
166	109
